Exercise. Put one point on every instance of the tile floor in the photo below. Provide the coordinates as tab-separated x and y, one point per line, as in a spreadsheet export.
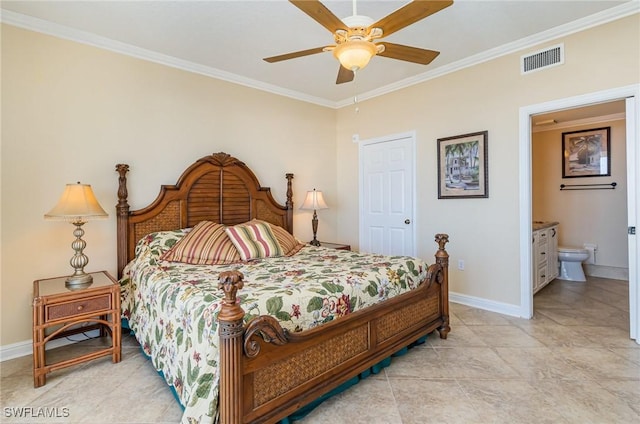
572	363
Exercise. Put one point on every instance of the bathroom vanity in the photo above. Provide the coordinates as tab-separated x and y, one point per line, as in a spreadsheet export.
545	253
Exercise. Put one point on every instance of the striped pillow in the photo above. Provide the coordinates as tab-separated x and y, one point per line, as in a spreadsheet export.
290	245
206	244
254	239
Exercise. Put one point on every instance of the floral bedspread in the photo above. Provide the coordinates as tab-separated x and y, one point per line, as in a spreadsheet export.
172	307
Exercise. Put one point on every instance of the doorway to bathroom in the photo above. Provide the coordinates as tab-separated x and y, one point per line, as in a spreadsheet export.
589	209
590	206
617	108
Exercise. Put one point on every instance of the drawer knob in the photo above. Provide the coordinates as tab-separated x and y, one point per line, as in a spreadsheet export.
80	307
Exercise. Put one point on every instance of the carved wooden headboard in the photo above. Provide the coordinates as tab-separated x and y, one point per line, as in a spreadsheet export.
217	188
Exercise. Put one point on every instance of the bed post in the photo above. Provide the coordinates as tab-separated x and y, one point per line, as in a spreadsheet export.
442	259
289	203
231	391
122	214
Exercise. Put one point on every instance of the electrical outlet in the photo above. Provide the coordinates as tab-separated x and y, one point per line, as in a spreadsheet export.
461	264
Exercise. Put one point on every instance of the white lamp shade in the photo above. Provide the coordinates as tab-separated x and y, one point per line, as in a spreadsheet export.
355	55
314	201
77	203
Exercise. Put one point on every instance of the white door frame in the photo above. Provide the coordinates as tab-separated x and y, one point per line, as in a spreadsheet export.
632	94
411	135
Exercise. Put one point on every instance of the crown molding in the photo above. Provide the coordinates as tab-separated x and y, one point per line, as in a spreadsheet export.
83	37
61	31
601	18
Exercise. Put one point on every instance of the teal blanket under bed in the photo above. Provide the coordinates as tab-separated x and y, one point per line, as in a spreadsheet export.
377	368
306	410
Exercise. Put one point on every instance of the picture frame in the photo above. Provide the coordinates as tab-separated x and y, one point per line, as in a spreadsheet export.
463	171
586	153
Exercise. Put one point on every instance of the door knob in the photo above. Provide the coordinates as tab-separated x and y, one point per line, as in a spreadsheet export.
407	221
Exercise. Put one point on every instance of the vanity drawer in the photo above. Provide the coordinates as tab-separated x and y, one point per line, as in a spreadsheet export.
78	307
542	237
542	275
542	254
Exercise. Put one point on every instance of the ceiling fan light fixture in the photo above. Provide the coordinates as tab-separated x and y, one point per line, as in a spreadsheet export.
356	54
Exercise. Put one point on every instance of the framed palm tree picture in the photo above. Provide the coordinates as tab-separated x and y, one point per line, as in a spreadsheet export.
462	166
586	153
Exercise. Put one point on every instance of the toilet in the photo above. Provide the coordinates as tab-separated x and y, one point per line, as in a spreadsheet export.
571	259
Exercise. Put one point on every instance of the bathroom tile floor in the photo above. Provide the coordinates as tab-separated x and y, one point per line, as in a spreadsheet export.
572	363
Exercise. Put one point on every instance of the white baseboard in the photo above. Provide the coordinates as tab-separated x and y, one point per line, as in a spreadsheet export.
17	350
603	271
25	348
486	304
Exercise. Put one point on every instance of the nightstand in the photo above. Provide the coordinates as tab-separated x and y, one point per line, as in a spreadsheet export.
60	312
336	246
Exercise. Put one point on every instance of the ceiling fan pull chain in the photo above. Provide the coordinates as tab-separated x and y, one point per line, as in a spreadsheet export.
355	91
356	109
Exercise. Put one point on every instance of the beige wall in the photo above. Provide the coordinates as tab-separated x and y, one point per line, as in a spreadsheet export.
585	216
483	232
71	112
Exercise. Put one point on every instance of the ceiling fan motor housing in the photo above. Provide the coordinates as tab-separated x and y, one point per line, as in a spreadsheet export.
358	29
358	21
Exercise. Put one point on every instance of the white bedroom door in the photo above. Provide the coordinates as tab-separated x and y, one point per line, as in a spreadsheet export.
387	195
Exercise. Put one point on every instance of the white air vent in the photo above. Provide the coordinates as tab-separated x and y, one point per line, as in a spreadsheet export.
542	59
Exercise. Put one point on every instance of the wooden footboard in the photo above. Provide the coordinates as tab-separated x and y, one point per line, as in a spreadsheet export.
267	373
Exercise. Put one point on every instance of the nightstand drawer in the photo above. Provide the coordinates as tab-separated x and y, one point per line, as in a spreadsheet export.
78	307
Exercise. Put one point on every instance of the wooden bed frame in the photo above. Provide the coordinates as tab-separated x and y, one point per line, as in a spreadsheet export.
266	372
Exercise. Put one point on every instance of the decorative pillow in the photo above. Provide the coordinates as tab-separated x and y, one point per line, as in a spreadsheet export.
206	244
254	239
290	245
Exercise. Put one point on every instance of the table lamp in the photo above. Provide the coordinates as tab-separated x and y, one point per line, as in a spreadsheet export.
314	201
77	205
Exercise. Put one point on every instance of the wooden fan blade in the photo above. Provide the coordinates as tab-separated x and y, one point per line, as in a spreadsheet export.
407	53
409	14
293	55
319	13
344	75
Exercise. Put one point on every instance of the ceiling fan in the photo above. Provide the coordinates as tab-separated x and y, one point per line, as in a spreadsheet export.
354	35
